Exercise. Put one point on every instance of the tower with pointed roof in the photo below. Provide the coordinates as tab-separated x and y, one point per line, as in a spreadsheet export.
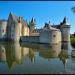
65	30
16	27
32	25
13	29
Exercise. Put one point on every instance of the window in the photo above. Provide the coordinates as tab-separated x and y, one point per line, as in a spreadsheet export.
54	35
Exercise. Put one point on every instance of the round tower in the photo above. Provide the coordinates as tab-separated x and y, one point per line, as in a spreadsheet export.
65	30
51	35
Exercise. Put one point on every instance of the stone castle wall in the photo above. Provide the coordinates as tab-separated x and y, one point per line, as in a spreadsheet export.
34	39
50	36
46	36
3	25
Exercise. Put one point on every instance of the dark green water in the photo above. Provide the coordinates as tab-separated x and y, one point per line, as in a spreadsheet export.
32	58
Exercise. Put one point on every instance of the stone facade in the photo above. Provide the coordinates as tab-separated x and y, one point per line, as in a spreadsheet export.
13	28
16	27
50	36
3	25
63	30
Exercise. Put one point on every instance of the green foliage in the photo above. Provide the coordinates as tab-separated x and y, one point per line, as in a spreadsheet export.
73	9
71	36
74	34
72	39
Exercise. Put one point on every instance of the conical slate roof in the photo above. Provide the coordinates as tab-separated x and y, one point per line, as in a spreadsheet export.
33	20
65	21
14	17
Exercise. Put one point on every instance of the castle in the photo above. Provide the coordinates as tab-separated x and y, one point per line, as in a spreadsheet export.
16	28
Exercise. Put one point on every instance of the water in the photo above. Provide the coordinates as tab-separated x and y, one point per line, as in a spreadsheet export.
29	58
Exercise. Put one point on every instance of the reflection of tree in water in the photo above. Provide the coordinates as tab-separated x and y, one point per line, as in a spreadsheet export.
73	56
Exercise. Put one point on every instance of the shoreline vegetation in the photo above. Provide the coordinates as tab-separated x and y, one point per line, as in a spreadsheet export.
72	38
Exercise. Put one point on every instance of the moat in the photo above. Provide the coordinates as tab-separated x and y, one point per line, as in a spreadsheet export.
29	58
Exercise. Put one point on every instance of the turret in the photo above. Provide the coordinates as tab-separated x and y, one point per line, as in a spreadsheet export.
32	24
20	25
65	30
46	26
19	19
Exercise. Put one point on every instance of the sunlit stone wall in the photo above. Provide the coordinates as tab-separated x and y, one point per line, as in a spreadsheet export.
3	25
50	36
65	32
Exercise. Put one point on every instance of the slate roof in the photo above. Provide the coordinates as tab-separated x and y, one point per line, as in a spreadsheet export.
14	17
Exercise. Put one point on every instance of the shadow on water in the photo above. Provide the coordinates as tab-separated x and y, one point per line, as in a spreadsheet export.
14	53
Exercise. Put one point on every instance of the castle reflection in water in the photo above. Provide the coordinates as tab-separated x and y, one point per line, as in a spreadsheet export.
15	53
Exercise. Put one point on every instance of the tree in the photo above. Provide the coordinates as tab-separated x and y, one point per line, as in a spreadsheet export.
73	9
74	34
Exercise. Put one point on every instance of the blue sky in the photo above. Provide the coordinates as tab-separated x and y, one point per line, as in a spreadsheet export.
42	11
